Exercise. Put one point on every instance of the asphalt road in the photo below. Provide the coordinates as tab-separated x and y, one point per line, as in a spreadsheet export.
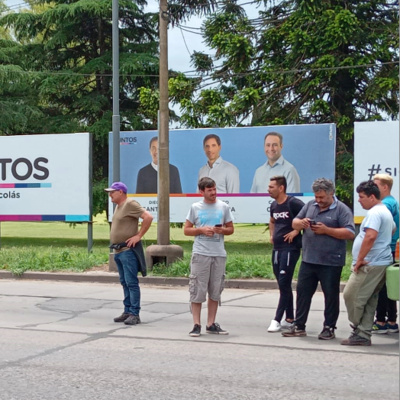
58	341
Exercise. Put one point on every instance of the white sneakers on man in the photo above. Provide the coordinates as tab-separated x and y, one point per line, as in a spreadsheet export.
275	326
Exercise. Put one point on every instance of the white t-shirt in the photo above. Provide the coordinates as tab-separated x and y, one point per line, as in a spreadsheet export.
204	214
379	219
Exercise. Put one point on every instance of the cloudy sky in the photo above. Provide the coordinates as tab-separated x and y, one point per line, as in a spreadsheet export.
180	42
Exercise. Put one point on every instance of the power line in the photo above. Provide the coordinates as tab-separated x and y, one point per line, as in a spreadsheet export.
215	75
186	29
184	41
17	6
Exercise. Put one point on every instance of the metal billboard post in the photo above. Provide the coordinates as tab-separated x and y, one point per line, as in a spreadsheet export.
115	78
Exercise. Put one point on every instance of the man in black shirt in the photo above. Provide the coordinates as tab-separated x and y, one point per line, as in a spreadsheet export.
286	252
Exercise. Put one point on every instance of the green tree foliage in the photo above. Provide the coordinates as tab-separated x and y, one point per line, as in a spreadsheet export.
60	56
18	105
181	10
304	61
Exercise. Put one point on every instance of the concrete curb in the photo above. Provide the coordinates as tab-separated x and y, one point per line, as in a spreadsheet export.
112	277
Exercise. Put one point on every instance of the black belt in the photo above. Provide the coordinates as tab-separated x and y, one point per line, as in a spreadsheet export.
118	246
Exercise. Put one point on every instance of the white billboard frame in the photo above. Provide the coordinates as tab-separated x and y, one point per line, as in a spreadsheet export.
46	178
376	150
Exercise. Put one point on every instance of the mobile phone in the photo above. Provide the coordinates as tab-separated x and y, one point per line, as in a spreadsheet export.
218	225
313	222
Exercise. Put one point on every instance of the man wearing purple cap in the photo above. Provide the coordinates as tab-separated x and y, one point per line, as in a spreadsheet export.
125	238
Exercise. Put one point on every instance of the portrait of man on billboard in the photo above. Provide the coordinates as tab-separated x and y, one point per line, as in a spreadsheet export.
147	176
225	174
275	165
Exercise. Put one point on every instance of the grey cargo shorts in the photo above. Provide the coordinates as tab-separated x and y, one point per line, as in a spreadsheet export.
207	275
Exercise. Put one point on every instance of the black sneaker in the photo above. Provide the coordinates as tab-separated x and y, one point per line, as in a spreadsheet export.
196	331
216	329
327	333
122	317
132	320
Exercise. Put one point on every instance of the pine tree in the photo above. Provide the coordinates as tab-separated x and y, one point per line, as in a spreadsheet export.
64	47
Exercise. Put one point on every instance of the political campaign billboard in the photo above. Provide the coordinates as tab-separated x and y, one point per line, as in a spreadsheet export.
305	152
45	177
376	151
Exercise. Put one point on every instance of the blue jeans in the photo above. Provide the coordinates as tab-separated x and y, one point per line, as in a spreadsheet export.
307	282
128	268
284	263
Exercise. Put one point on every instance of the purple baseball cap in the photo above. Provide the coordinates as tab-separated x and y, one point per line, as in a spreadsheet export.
117	186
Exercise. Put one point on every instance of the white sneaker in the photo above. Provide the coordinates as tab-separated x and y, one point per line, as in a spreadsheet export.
286	325
275	326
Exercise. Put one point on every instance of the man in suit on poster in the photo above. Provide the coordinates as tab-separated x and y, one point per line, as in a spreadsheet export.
147	178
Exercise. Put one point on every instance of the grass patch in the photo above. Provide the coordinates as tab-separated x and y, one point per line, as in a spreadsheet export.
55	246
49	259
238	266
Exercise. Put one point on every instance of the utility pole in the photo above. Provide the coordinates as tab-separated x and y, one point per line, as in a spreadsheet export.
163	251
163	133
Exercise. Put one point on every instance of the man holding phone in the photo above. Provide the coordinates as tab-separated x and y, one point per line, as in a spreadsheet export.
286	252
208	220
326	223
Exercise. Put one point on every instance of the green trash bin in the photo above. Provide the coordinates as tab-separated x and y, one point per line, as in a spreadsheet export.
392	281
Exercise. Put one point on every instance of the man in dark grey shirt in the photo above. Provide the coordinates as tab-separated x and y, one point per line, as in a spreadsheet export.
327	224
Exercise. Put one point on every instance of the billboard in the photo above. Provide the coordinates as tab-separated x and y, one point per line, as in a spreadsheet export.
376	150
310	149
45	177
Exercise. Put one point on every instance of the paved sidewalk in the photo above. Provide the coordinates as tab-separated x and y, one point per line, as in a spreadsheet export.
58	341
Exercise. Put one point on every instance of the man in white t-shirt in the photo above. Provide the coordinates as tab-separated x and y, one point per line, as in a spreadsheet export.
371	255
208	220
